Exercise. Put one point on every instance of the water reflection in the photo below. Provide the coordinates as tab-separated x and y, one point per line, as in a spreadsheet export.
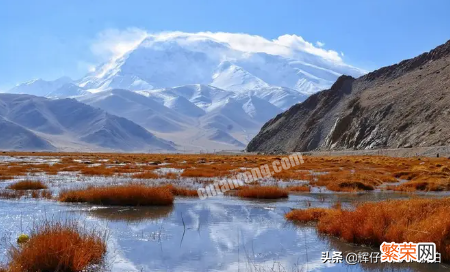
234	235
218	234
131	214
338	245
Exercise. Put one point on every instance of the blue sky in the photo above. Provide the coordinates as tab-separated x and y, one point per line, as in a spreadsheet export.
48	39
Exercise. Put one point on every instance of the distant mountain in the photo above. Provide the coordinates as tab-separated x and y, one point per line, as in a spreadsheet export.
191	89
40	87
15	137
192	117
182	60
36	123
403	105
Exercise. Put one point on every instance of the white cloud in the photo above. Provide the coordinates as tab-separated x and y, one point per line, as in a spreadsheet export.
114	43
84	66
320	44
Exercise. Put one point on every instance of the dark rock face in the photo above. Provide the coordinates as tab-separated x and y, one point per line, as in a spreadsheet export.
403	105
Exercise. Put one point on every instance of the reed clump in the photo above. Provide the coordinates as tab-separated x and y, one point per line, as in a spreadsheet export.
262	192
299	188
412	220
120	195
179	191
63	247
28	185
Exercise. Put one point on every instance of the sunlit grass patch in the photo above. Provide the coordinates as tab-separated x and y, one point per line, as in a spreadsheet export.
120	195
146	175
46	194
412	220
178	191
308	215
299	188
58	247
347	181
423	184
262	192
347	173
27	185
292	175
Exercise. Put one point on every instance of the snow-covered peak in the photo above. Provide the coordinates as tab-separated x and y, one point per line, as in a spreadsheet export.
232	77
40	87
182	59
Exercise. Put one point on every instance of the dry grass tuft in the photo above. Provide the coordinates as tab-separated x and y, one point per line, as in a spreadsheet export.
170	175
121	195
58	247
146	175
178	191
262	192
46	194
27	185
413	220
347	173
299	188
309	215
346	181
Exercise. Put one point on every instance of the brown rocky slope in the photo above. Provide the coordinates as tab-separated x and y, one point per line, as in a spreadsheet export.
403	105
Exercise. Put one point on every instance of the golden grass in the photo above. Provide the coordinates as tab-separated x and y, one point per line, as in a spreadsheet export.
348	173
27	185
413	220
351	181
170	175
299	188
145	175
46	194
292	175
120	195
308	215
178	191
262	192
63	247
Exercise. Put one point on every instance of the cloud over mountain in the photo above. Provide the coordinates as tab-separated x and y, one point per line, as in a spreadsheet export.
114	43
200	90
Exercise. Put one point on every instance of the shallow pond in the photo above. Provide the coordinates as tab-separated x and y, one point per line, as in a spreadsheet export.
217	234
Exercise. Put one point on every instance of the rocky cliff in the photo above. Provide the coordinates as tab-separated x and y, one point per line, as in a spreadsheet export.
403	105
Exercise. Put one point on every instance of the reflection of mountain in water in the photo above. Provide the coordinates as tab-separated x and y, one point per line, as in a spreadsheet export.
228	235
132	214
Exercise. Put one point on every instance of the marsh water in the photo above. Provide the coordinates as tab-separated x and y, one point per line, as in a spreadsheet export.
216	234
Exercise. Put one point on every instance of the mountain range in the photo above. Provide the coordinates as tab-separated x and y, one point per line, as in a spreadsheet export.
193	92
36	123
403	105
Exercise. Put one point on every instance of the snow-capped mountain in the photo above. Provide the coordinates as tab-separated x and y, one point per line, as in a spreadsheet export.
183	60
40	87
195	90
